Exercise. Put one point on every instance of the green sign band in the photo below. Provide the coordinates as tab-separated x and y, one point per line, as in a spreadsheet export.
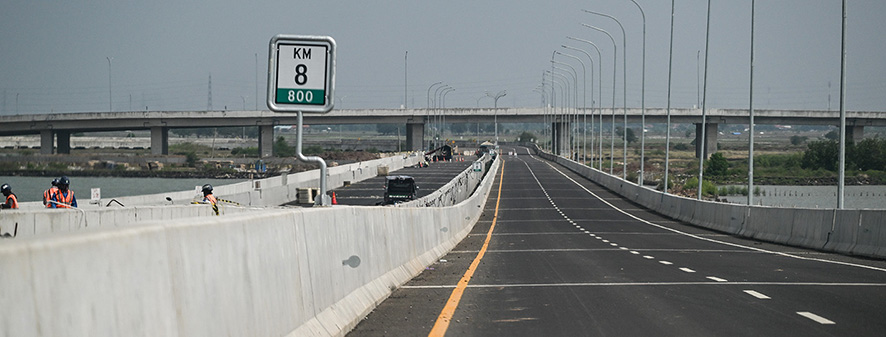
300	96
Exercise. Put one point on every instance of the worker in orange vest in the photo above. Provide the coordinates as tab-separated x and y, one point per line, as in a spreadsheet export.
64	198
208	198
11	201
49	193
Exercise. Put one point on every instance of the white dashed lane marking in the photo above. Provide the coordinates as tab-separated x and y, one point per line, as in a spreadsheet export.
756	294
816	318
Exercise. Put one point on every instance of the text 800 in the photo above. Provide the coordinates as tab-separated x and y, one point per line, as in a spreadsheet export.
300	96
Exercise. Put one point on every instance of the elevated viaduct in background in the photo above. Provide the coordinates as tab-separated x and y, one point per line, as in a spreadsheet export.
55	129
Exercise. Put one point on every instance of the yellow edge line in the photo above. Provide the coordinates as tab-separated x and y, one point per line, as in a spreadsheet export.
445	317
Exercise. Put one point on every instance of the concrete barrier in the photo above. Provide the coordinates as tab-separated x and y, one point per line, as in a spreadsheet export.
286	271
33	219
870	233
453	192
856	232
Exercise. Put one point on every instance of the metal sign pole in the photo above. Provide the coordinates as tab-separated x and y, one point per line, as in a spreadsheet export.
324	199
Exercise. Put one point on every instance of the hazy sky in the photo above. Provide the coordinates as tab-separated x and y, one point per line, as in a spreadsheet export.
53	54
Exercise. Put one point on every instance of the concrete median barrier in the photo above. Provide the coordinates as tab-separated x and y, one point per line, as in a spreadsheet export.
843	237
811	228
278	271
871	233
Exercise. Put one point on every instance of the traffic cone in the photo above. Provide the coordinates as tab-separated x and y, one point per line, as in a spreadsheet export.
334	202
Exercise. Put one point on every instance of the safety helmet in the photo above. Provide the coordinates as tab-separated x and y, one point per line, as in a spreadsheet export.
64	181
55	182
207	188
5	188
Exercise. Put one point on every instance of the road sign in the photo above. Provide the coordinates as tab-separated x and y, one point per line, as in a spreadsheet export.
301	74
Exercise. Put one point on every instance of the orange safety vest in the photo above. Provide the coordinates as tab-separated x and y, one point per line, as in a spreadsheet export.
64	201
48	195
212	201
12	201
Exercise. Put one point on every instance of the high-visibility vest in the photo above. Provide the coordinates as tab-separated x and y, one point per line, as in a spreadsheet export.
64	201
214	202
11	201
48	195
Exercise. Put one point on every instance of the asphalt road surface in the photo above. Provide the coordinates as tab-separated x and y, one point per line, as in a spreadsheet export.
371	192
565	257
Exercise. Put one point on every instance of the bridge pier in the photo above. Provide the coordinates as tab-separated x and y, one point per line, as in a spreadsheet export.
415	134
159	140
63	141
266	140
560	137
710	139
854	133
47	141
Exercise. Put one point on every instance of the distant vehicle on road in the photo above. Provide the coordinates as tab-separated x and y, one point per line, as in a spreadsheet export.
399	189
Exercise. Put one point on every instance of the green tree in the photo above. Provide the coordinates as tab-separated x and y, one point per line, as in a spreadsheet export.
797	140
868	154
619	131
833	135
717	165
282	149
821	154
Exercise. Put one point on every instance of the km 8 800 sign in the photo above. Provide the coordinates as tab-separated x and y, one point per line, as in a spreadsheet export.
301	77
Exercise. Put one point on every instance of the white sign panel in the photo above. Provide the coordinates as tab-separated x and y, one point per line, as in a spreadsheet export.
96	194
301	74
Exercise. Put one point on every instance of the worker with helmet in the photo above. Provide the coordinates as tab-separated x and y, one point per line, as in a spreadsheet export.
49	193
208	198
64	198
11	201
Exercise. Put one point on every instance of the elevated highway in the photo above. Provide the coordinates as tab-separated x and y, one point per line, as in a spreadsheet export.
55	129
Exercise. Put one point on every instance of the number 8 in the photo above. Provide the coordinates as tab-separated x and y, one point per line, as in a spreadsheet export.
301	76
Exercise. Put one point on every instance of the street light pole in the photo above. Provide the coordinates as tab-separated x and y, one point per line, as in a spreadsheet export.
443	116
704	103
584	77
592	106
624	69
110	106
571	71
565	106
670	80
642	101
500	94
437	111
563	82
842	173
405	79
599	96
614	72
428	111
751	117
